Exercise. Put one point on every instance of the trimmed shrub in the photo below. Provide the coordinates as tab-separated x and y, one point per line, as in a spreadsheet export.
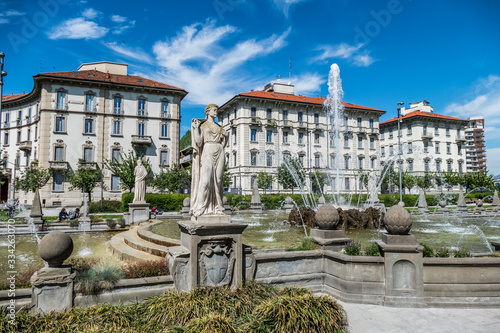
108	206
428	251
146	269
353	248
372	250
212	323
169	202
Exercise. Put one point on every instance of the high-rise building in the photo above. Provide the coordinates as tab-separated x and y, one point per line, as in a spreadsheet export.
475	145
86	117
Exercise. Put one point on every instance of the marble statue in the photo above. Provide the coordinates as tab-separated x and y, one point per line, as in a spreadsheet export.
140	174
208	140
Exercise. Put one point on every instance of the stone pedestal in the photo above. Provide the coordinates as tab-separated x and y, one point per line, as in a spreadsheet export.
288	207
330	239
211	253
404	270
36	210
139	212
185	211
52	289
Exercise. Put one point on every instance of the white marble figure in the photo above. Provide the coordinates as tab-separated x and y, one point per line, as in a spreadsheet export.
140	174
208	140
372	188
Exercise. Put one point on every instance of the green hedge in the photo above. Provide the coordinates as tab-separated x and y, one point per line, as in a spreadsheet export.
169	202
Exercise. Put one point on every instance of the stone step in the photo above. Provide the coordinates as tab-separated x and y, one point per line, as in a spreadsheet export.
149	236
133	240
126	253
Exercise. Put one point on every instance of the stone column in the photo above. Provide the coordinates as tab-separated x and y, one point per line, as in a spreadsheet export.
52	286
403	260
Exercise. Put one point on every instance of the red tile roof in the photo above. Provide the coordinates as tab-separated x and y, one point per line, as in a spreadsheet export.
6	98
94	75
300	98
422	114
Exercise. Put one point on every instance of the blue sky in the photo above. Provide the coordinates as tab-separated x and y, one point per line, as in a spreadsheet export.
446	52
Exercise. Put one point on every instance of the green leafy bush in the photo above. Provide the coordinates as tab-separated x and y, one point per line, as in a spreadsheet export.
353	248
428	251
108	206
461	253
169	202
443	252
146	269
373	250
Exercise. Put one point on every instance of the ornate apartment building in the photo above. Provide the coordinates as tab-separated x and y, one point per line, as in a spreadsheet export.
475	145
266	126
429	141
87	116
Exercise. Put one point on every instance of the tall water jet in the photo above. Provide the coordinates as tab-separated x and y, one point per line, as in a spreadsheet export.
335	113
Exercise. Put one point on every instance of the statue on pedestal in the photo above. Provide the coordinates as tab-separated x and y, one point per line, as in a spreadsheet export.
208	140
140	174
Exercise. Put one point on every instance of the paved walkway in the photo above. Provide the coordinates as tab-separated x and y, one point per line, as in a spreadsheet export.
364	318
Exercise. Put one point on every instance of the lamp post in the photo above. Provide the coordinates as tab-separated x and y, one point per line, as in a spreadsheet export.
400	152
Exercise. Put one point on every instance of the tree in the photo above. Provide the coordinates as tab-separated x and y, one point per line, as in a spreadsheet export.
318	180
226	178
185	140
291	173
33	178
451	179
477	179
409	181
125	167
172	179
85	178
425	181
264	180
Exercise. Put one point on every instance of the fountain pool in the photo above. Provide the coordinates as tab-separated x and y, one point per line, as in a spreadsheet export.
267	231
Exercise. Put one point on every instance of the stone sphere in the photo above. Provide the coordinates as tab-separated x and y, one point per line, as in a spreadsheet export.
288	200
186	202
397	221
224	201
401	203
479	203
55	247
327	217
442	203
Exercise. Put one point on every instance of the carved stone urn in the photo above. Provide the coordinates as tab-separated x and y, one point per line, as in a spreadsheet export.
327	217
397	221
55	247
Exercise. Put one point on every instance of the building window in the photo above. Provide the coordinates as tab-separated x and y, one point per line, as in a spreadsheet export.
269	159
437	147
115	155
347	184
360	122
438	166
410	148
141	129
371	123
164	158
253	112
18	137
234	161
89	102
391	150
382	135
115	183
301	137
88	154
460	170
426	166
61	100
316	138
316	118
447	131
59	154
360	142
253	158
164	109
332	141
235	137
346	121
285	137
436	130
29	134
458	133
409	129
346	162
459	147
117	105
390	133
269	136
117	127
316	161
58	181
426	147
448	148
285	115
89	126
141	107
301	158
372	143
7	119
17	162
164	131
346	141
360	162
332	161
410	165
253	135
60	124
449	166
382	151
372	163
269	113
425	129
300	117
19	117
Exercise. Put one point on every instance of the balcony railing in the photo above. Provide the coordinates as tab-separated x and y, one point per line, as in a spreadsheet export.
58	165
118	110
427	136
255	121
142	140
142	113
90	165
25	145
186	158
286	123
271	122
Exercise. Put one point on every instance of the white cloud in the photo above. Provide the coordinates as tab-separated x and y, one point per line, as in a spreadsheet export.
3	20
78	28
195	61
363	60
133	53
5	16
284	5
493	160
90	13
353	53
308	83
484	100
118	18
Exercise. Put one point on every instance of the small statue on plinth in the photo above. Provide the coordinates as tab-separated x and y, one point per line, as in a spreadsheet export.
140	174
